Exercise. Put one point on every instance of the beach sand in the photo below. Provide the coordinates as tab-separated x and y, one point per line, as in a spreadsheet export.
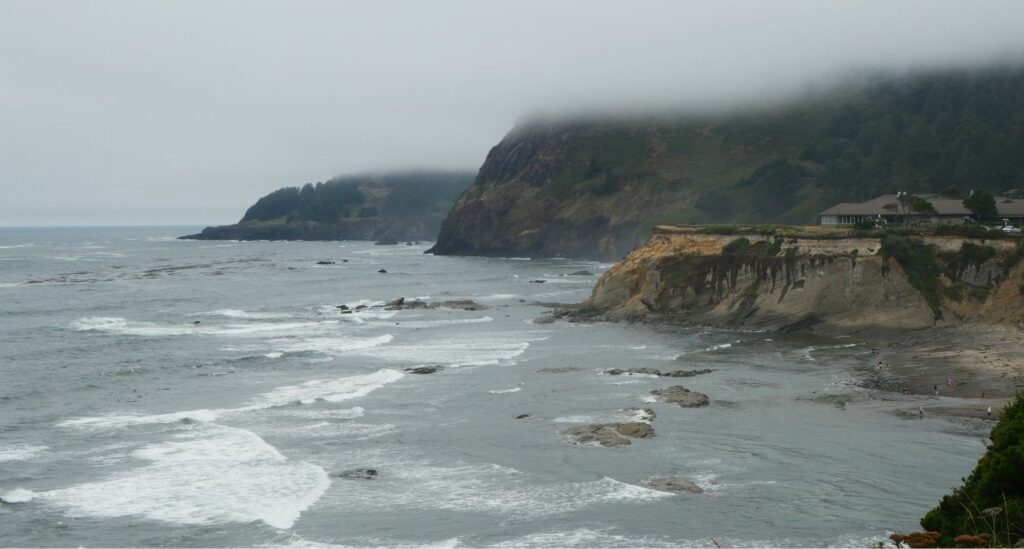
986	362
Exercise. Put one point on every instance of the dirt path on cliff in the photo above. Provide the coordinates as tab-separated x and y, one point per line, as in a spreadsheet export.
985	362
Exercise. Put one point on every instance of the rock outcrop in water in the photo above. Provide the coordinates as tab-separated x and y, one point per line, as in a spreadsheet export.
675	485
677	394
609	434
799	278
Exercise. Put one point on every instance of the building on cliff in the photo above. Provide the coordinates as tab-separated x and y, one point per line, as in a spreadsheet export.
887	208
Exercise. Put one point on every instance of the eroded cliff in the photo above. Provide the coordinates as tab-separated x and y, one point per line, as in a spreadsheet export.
828	280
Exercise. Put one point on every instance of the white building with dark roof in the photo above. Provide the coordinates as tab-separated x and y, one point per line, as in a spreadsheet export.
887	208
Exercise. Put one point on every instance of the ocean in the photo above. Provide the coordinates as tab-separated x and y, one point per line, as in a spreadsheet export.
157	392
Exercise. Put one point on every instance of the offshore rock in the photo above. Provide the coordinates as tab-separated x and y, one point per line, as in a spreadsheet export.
675	485
677	394
609	434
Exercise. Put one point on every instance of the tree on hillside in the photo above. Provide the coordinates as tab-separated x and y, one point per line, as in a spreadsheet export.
982	203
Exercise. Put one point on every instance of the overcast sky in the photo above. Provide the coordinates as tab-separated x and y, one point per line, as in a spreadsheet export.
145	112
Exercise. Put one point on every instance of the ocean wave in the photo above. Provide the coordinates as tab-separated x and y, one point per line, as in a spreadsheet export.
483	349
498	490
329	390
585	537
329	345
118	325
16	246
21	452
18	495
439	323
238	313
504	391
347	413
207	475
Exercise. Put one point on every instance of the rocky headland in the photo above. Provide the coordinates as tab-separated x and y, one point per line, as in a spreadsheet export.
931	306
386	208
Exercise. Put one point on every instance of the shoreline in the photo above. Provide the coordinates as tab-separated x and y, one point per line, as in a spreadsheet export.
985	362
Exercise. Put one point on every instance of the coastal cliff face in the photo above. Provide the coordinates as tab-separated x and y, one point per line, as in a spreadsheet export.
815	279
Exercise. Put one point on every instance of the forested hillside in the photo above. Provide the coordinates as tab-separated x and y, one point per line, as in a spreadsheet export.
406	206
594	187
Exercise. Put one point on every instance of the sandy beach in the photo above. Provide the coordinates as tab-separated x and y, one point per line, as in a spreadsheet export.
985	362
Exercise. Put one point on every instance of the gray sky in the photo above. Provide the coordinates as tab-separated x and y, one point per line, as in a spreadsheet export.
145	112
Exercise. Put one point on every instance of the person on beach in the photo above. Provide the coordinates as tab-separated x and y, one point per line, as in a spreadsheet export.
920	411
989	411
936	390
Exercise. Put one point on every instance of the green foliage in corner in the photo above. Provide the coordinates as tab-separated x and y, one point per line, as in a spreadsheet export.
991	500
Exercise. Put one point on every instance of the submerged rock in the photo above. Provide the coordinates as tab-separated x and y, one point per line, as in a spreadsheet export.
386	241
656	372
357	474
463	304
677	394
546	319
645	415
522	416
675	485
633	371
582	273
425	369
560	370
460	304
687	373
325	263
609	434
383	271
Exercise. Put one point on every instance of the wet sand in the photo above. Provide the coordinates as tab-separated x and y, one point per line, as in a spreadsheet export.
985	361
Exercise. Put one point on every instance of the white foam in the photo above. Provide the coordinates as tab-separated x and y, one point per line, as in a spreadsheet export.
18	495
437	323
347	413
497	490
118	325
585	537
20	452
238	313
325	429
115	421
16	246
575	419
481	349
274	355
503	391
10	284
210	474
330	345
330	390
